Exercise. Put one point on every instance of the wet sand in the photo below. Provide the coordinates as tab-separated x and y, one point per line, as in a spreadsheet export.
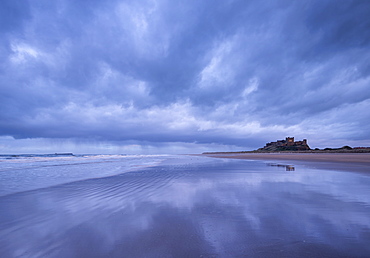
356	162
185	206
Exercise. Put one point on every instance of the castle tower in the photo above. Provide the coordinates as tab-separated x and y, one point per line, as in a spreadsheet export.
289	141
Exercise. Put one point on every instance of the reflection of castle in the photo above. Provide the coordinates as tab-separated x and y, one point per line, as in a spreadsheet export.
287	144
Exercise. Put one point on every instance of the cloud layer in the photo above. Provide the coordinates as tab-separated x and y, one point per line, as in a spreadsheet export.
156	73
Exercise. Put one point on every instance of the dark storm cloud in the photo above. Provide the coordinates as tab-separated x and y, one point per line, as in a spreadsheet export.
227	72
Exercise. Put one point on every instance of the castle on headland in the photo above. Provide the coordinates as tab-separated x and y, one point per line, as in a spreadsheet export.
286	145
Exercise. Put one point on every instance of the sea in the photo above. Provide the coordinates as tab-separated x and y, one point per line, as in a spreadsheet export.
65	205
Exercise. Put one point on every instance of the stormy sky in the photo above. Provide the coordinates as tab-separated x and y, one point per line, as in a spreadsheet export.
163	76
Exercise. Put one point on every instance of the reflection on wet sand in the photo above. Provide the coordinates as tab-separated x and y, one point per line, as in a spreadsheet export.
287	167
224	209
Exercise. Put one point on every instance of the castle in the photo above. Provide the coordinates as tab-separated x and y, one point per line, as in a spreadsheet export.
286	145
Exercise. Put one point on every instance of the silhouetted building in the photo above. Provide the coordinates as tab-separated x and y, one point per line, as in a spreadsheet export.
287	144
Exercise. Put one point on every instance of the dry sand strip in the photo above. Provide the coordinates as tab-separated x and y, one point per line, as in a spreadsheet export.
356	162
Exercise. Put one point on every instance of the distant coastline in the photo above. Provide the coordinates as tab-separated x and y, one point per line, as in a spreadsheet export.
290	146
321	151
346	158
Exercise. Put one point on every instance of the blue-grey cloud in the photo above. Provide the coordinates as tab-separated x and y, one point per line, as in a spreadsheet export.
229	72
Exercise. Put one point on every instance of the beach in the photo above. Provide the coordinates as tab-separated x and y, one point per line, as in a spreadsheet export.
352	162
181	206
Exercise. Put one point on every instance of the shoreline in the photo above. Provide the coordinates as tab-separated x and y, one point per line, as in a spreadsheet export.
352	162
